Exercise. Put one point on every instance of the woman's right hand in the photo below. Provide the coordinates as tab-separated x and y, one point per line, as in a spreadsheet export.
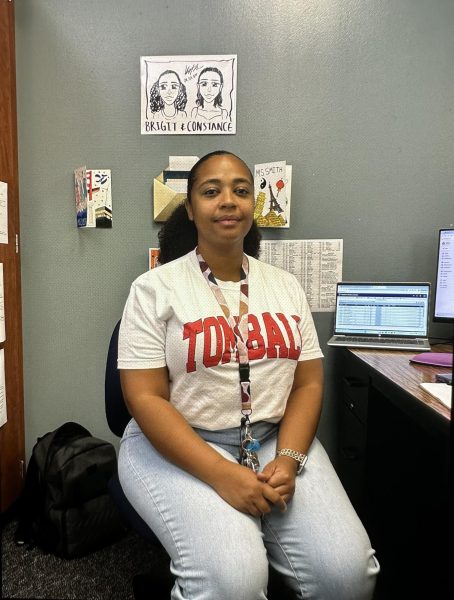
240	487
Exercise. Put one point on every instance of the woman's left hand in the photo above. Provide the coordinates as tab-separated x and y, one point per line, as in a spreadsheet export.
280	474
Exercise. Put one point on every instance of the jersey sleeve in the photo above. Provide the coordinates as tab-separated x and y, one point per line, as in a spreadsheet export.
141	341
310	348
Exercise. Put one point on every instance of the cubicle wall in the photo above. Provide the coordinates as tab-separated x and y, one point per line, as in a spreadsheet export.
357	97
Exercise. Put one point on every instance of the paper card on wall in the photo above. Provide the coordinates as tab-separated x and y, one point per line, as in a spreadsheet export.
153	254
165	200
99	205
182	163
2	306
169	187
93	197
186	95
80	192
3	414
176	180
272	192
3	212
317	264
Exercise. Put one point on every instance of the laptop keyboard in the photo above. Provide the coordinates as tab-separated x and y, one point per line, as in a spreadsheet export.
384	341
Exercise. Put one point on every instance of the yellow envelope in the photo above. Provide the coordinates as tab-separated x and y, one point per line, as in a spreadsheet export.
165	200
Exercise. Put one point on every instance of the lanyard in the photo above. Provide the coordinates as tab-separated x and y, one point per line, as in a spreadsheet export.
248	445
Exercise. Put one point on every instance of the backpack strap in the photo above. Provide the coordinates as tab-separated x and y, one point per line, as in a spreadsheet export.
28	505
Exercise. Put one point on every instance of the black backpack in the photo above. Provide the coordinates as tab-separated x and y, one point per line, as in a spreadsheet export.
65	507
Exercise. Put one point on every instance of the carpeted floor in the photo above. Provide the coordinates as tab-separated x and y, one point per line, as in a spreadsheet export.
130	569
103	575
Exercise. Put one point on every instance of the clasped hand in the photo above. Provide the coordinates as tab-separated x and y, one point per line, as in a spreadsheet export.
256	493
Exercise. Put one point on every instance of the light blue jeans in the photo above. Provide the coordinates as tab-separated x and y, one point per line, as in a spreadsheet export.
318	544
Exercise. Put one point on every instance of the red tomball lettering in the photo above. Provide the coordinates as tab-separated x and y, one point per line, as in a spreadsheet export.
276	342
211	324
294	351
190	331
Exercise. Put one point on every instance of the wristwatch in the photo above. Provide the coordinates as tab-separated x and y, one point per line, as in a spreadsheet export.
300	458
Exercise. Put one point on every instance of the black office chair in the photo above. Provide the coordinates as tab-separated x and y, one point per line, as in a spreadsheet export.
149	584
117	418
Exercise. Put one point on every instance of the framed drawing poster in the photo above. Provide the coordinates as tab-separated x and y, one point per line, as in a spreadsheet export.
187	95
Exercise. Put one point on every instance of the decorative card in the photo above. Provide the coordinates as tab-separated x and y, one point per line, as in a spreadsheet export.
272	192
93	197
169	187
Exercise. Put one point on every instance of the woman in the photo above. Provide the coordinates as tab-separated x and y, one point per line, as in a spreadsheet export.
168	97
209	96
222	374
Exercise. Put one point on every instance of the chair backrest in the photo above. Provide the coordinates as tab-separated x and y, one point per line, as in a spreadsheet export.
116	412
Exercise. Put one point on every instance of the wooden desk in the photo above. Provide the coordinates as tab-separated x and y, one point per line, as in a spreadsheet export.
394	464
392	368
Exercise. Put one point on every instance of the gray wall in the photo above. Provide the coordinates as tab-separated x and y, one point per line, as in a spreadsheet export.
357	96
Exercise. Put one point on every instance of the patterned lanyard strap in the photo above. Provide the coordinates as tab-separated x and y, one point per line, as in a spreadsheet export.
248	445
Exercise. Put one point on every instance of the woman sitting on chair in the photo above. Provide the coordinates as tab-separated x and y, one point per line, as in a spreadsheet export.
222	372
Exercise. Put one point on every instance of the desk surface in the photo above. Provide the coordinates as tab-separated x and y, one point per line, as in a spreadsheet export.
395	365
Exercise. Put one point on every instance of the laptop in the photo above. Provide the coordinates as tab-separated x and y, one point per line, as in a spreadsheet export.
392	316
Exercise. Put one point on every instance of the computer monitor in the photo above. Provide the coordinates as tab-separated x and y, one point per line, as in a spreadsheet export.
444	288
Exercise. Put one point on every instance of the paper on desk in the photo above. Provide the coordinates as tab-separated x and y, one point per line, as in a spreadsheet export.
441	391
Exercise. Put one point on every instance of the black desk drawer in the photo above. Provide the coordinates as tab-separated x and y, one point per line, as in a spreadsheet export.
352	455
355	394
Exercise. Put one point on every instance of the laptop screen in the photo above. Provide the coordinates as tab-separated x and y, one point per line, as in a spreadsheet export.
395	309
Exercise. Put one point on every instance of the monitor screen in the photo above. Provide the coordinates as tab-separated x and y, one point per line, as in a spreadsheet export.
444	289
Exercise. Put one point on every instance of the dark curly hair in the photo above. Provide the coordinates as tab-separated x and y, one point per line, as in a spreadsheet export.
156	101
178	235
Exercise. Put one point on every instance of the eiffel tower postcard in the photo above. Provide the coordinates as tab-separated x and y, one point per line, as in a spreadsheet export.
272	192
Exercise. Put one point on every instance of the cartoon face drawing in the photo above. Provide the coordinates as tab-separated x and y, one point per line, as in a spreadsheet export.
169	86
208	104
209	87
168	95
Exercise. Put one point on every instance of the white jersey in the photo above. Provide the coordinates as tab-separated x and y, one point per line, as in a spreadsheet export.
172	319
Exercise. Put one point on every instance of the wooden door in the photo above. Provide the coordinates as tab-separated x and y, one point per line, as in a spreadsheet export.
12	452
